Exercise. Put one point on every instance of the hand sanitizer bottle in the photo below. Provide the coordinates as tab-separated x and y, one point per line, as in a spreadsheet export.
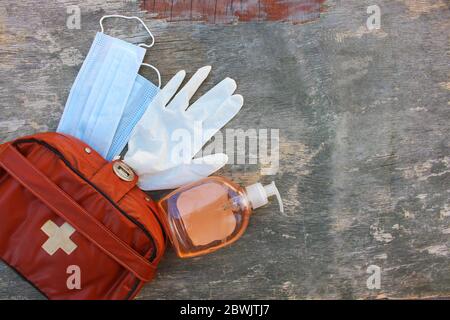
211	213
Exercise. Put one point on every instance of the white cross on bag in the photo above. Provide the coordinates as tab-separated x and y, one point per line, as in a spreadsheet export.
59	238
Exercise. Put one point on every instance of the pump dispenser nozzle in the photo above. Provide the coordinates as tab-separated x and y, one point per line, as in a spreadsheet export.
258	194
211	213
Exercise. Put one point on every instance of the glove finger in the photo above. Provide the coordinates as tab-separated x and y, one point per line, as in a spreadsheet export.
181	100
183	174
222	116
211	100
170	88
216	160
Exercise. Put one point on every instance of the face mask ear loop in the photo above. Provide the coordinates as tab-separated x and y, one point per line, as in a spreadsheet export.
130	18
157	72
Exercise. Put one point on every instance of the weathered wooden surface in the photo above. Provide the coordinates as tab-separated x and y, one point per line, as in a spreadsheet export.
228	11
364	129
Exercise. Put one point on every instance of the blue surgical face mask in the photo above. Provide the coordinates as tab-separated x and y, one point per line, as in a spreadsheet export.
141	95
105	90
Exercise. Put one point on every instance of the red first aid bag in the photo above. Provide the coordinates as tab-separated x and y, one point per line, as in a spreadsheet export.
73	224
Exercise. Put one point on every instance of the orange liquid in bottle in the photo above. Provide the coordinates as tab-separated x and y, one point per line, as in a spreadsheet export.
205	216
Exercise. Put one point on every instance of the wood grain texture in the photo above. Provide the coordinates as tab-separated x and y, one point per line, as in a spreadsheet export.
364	150
228	11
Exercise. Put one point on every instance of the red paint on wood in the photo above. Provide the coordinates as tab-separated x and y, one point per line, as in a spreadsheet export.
227	11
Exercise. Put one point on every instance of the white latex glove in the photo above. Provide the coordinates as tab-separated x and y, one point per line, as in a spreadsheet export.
169	135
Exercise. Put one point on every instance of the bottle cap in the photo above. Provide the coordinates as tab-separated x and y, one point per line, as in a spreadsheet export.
258	194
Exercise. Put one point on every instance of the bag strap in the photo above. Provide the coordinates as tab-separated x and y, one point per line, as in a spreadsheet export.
64	206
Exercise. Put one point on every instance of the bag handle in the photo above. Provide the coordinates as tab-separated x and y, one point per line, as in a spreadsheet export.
64	206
